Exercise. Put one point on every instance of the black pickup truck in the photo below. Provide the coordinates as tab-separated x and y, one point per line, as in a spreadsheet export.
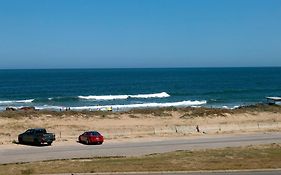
36	136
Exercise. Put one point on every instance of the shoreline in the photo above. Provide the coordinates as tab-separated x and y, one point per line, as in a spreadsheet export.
29	105
142	123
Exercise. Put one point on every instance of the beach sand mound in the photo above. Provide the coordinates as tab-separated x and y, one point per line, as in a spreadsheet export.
146	123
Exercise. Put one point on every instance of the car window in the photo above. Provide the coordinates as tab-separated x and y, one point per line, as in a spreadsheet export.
28	131
41	131
95	133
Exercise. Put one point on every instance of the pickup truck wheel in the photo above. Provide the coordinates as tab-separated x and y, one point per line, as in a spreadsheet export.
49	143
20	140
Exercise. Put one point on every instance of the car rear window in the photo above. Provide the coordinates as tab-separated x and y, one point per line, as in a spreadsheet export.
39	131
95	133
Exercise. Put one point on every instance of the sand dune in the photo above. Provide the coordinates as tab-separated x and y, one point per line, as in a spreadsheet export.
142	123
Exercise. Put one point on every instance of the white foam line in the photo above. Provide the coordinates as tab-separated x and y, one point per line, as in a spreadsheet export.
121	97
105	97
16	101
156	95
234	107
130	106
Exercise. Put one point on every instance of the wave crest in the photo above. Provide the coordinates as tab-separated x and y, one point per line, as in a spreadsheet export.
131	106
16	101
104	97
156	95
123	97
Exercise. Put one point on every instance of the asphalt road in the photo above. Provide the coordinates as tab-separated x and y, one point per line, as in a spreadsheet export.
25	153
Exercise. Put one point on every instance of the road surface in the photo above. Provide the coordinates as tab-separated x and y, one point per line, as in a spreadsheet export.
25	153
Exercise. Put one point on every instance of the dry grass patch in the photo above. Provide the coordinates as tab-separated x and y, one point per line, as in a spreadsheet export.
160	112
251	157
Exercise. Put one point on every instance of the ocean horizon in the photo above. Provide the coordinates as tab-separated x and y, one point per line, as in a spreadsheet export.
130	88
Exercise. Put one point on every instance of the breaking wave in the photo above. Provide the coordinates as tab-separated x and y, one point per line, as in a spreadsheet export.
121	97
129	106
233	107
16	101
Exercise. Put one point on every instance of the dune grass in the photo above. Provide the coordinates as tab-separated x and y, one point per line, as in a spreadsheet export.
187	112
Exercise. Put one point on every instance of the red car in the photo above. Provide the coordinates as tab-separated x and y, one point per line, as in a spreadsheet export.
91	137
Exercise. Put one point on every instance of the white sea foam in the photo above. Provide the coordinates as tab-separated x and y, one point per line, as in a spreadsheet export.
234	107
122	97
128	106
49	107
25	101
156	95
104	97
16	101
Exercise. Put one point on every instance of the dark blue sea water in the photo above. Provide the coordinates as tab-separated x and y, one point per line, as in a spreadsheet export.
96	89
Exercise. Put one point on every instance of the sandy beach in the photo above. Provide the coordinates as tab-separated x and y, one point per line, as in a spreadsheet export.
142	124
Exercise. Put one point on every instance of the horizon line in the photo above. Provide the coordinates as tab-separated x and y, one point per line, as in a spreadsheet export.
195	67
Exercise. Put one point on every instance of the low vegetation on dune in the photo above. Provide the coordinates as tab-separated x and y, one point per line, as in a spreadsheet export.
160	112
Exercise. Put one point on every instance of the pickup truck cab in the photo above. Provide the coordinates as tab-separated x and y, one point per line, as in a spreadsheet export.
36	136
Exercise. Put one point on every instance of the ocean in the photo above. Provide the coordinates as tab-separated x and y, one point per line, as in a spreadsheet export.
123	89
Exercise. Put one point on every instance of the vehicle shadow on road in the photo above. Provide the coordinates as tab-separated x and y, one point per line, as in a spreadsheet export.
29	144
83	143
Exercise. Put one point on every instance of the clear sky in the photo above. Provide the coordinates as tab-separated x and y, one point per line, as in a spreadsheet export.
139	33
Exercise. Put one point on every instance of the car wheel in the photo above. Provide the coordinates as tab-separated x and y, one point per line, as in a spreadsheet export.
87	142
49	143
20	140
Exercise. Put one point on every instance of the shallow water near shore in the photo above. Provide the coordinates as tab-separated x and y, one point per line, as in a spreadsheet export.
121	89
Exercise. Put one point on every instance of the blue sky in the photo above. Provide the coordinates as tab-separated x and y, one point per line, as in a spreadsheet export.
139	33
